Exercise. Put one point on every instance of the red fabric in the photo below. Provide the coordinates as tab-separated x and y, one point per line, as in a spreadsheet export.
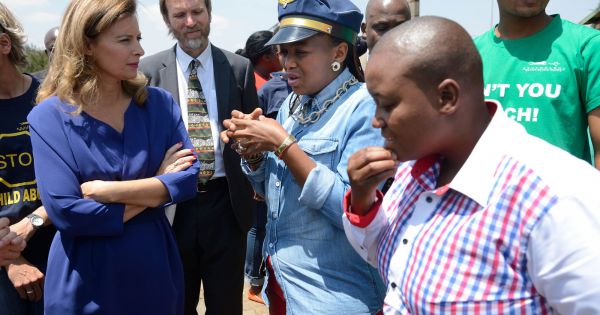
274	292
362	221
259	81
423	165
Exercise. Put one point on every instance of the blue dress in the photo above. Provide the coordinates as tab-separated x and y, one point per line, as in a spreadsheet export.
97	263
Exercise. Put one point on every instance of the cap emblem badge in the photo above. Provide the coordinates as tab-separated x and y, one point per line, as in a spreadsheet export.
284	3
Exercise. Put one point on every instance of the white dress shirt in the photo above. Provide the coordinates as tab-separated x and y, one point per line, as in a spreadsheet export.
206	76
561	252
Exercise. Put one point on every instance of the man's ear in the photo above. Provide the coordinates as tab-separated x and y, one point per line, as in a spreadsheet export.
5	44
363	27
449	92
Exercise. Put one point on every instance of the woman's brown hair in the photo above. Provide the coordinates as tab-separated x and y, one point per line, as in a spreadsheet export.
72	74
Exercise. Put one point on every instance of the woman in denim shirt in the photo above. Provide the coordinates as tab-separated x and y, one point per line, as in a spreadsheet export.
312	269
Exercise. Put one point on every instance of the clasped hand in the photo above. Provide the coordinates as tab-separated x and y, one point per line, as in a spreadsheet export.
252	134
26	278
11	244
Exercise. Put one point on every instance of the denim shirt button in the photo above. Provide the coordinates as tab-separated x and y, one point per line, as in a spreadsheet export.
270	245
275	215
277	184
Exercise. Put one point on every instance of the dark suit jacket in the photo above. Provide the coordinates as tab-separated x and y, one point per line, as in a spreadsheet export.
234	82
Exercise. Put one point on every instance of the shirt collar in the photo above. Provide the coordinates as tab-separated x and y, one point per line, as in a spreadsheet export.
329	91
426	170
477	177
184	59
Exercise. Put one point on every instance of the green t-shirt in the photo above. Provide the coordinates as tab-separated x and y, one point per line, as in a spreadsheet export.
548	81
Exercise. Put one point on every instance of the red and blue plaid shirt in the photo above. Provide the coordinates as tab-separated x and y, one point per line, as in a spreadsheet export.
464	248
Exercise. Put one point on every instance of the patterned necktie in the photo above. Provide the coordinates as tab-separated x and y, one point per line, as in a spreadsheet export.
199	125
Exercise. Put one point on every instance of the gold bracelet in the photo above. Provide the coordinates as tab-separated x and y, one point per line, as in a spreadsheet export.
289	140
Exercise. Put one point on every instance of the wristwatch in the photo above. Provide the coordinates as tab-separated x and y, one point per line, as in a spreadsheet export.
36	221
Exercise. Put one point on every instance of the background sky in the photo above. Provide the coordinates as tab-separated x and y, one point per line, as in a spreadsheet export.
234	20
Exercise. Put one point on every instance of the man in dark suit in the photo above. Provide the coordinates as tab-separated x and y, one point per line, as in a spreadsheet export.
211	228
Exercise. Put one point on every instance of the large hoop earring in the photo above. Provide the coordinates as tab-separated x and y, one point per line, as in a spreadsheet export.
336	66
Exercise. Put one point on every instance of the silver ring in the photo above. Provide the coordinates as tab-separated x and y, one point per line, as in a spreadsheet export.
238	147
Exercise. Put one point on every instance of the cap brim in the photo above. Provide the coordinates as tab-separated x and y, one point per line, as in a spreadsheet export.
291	34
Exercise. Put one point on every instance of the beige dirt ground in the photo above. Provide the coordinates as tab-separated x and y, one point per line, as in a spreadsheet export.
250	307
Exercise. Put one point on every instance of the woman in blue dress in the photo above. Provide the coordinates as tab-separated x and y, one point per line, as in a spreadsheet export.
109	153
311	267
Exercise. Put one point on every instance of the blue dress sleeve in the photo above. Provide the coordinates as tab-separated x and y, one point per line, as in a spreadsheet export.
181	185
57	179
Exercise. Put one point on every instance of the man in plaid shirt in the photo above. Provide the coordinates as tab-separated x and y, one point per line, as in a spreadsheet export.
481	217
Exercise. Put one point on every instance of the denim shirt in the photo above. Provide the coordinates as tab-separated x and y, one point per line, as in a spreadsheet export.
317	269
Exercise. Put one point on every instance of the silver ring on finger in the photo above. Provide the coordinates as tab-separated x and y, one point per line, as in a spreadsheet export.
241	147
237	147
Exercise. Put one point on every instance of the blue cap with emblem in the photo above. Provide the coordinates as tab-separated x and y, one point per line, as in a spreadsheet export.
301	19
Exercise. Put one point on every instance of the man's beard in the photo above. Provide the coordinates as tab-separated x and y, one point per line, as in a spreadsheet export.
193	43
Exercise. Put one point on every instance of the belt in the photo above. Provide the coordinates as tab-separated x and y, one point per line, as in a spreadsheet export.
214	184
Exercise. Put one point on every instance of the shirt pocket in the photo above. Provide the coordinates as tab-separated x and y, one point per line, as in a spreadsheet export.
320	150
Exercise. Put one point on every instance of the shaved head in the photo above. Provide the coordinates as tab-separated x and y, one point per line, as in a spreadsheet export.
383	15
50	39
387	6
425	76
435	48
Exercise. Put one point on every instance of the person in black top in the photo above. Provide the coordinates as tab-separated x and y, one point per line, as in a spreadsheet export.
22	280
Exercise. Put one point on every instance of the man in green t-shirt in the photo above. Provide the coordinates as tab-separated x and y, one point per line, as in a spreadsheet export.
545	72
